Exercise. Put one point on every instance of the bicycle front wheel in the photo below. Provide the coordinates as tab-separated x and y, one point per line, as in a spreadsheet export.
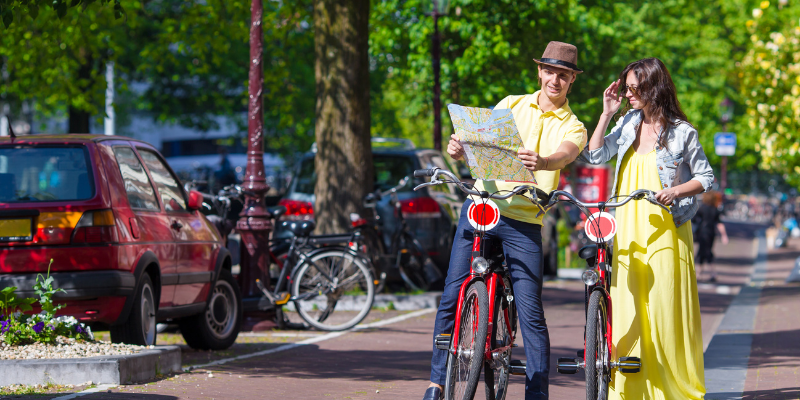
333	280
464	367
496	371
597	357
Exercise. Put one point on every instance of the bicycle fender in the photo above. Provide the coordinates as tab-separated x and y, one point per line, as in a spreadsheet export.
467	282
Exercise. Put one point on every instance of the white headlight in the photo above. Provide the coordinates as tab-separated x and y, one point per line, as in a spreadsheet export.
589	277
479	265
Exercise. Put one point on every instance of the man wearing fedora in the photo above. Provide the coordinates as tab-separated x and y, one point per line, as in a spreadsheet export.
553	137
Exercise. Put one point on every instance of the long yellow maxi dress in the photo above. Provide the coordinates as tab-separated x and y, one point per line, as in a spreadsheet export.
655	307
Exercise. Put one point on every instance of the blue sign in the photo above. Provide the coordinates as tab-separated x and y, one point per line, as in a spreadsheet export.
725	143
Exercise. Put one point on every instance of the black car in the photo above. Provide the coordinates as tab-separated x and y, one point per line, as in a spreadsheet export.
432	213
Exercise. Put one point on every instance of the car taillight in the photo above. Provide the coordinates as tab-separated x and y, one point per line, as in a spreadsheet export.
297	210
96	227
420	207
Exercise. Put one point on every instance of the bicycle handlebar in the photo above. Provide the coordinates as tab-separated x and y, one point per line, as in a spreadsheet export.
549	200
435	173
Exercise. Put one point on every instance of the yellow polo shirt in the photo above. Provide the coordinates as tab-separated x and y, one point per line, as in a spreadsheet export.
542	132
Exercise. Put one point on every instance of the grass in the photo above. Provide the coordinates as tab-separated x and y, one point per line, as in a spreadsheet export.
18	390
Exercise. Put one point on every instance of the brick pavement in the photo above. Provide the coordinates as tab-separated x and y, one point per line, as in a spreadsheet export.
774	365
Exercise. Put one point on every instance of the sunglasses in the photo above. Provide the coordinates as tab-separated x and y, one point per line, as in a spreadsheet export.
634	89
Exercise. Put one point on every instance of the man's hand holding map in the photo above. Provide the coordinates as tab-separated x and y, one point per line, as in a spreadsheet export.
491	142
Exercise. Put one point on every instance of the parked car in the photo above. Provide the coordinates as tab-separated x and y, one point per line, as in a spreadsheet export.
432	212
127	241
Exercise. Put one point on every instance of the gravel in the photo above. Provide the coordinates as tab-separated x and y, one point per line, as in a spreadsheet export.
67	348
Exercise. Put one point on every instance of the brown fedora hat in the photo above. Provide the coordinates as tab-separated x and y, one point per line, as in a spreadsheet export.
562	55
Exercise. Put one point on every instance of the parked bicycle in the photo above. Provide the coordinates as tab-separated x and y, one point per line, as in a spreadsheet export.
405	254
312	272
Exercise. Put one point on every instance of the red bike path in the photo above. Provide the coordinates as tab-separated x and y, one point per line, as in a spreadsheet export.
393	361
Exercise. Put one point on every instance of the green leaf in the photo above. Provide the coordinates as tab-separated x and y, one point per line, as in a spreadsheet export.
8	18
8	290
61	8
33	10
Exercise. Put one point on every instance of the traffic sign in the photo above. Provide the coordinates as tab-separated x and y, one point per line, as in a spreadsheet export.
725	143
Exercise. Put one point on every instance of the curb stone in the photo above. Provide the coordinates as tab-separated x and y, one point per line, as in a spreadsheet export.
121	369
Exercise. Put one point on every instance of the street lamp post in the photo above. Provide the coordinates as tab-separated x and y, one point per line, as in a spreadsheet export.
439	9
726	114
254	224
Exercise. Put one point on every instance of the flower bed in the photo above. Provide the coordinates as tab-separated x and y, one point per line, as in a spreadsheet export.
17	328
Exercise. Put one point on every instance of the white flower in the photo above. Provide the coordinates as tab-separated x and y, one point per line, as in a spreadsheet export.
757	13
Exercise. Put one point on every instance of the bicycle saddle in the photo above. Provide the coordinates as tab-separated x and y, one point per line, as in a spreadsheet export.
587	252
299	228
276	211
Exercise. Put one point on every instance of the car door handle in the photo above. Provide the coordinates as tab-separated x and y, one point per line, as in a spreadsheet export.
176	225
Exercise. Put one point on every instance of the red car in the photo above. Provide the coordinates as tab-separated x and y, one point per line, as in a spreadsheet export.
128	244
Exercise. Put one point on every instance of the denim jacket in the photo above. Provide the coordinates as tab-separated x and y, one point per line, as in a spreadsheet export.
682	160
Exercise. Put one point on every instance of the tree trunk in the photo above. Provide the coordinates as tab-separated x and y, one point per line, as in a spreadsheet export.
78	121
78	118
344	155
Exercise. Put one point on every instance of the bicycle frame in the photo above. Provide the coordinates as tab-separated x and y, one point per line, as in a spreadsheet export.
493	281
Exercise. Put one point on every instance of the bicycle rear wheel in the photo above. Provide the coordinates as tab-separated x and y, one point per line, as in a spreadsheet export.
464	367
416	268
597	372
320	283
496	371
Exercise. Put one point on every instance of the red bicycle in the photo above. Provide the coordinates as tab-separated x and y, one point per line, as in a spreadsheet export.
596	357
486	314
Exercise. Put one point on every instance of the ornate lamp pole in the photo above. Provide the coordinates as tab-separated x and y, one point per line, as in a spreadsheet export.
439	9
254	224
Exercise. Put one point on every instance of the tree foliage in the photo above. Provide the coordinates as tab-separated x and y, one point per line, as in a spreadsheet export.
770	85
488	47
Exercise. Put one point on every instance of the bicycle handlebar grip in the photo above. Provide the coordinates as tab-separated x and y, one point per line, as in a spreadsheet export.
424	172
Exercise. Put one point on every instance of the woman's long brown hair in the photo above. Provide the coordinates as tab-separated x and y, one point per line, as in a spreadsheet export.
657	91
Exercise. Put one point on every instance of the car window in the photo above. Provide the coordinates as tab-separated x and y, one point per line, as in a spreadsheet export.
389	170
137	184
440	162
44	174
167	185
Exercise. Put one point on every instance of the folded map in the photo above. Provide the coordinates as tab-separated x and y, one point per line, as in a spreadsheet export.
491	142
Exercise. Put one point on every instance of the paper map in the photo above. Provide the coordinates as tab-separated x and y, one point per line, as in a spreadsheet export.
491	141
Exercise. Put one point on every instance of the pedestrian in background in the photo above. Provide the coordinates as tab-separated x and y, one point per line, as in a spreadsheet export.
707	222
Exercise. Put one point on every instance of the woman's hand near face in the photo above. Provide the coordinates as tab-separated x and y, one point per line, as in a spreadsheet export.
454	149
611	100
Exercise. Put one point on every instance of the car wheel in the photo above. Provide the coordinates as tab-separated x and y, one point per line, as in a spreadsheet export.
218	326
140	327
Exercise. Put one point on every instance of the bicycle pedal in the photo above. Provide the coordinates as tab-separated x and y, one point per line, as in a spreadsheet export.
283	299
629	365
442	342
517	367
568	365
581	354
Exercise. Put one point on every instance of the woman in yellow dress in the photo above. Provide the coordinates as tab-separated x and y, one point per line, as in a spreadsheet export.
655	309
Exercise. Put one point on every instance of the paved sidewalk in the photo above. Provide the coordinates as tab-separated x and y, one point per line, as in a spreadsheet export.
773	369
